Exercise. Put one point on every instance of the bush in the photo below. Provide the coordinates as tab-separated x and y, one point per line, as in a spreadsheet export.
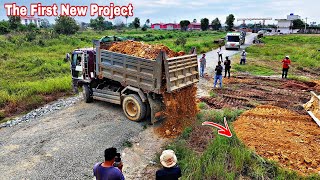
4	27
181	41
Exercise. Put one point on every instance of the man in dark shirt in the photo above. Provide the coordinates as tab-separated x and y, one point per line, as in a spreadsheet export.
227	67
218	75
170	170
107	170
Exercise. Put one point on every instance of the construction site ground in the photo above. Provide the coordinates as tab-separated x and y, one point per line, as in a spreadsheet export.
276	126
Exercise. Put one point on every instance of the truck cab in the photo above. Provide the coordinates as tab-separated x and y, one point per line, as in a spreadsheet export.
234	40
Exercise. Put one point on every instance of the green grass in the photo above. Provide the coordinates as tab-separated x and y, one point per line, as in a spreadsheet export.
266	59
226	158
38	68
202	105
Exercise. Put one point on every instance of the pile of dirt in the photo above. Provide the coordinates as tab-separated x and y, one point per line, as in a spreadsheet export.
180	112
283	136
140	49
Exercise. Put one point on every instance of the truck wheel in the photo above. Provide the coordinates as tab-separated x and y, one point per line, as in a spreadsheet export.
87	94
134	108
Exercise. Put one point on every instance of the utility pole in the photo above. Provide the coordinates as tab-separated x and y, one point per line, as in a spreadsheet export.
305	26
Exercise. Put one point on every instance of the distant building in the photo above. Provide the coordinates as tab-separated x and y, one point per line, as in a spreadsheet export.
29	19
284	25
175	26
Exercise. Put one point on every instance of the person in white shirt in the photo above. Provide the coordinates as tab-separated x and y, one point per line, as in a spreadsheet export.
220	54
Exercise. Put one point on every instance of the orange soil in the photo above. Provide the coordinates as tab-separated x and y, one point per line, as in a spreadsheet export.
180	112
281	135
140	49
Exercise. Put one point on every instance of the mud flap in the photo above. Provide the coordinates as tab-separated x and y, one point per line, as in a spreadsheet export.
156	107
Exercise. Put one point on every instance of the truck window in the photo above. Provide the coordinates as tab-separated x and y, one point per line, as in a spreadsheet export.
233	39
76	59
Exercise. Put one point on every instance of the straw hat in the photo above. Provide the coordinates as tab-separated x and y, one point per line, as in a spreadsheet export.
287	56
168	158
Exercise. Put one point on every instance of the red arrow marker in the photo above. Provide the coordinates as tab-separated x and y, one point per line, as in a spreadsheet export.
224	131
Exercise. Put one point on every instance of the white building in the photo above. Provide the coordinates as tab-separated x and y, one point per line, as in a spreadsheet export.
284	25
29	19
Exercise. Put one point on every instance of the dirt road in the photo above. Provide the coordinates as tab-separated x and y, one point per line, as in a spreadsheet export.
65	144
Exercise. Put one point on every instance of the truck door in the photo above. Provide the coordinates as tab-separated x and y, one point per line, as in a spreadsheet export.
76	65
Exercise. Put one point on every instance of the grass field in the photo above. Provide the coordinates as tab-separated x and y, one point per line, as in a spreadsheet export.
266	59
32	70
224	158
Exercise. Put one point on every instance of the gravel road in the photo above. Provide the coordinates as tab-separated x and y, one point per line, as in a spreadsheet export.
64	144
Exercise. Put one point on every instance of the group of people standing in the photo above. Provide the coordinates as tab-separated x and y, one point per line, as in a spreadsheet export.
219	68
286	62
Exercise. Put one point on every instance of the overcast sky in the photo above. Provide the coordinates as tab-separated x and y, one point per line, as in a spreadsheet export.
175	10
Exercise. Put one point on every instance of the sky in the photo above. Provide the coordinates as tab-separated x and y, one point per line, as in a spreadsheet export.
166	11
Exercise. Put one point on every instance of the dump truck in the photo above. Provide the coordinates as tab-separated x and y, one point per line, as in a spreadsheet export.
313	107
137	84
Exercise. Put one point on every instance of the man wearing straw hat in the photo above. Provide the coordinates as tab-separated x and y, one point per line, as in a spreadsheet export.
170	170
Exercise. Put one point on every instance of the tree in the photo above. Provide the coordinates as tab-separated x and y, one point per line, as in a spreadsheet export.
194	21
136	22
216	24
108	24
14	22
4	27
98	23
229	21
66	25
144	28
184	25
298	24
44	23
204	24
147	22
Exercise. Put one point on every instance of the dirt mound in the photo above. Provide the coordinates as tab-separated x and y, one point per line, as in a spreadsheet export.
140	49
283	136
181	109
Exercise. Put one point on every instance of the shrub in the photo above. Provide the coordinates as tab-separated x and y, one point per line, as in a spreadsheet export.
181	41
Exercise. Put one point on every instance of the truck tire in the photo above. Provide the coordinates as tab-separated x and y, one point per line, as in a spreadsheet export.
87	97
134	108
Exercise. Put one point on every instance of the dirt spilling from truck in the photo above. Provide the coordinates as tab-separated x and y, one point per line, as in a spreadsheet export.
180	112
141	49
283	136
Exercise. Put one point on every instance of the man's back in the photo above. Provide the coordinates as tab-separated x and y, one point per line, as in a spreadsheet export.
218	70
107	173
168	173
